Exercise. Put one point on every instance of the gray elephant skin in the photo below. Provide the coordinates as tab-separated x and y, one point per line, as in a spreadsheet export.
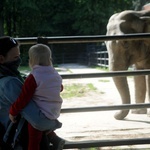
123	54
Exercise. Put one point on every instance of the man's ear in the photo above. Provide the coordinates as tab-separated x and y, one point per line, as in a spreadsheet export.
2	59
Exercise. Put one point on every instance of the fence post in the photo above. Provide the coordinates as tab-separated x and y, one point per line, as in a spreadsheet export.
42	40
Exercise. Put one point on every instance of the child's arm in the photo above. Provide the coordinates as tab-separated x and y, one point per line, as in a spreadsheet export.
27	92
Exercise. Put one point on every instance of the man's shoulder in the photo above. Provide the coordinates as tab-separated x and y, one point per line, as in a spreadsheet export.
6	79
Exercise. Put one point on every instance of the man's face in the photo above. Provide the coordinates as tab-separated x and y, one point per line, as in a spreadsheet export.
12	55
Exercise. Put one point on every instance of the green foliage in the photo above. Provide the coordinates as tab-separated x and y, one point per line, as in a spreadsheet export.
92	16
29	18
77	90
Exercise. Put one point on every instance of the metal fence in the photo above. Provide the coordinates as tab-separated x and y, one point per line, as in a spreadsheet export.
97	55
87	39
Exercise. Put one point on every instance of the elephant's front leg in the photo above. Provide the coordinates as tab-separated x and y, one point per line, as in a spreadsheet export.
123	89
140	93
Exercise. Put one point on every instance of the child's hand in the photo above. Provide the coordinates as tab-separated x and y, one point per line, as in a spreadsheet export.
12	118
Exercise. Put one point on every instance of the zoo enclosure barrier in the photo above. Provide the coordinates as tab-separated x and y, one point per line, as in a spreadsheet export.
84	39
97	55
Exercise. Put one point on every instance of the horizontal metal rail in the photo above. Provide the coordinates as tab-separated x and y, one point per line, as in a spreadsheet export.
84	39
104	143
105	108
106	74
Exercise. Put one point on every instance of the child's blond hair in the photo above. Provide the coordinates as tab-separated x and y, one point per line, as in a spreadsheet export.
40	54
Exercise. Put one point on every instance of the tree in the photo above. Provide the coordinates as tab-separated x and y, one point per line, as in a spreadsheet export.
26	18
58	17
92	15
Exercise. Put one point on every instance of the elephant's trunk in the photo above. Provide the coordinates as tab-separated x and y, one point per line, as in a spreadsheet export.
123	89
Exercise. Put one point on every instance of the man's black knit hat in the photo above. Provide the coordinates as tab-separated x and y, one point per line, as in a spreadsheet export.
7	43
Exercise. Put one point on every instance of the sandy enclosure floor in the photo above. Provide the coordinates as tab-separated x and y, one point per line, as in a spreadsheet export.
101	125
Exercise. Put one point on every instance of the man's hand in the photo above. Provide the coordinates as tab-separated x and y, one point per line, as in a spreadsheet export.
12	118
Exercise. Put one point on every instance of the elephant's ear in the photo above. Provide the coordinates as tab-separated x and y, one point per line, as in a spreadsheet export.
132	24
146	28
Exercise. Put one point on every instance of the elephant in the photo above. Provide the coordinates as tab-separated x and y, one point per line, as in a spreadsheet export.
125	53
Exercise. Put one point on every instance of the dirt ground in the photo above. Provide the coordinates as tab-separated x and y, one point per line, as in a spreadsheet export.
101	125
